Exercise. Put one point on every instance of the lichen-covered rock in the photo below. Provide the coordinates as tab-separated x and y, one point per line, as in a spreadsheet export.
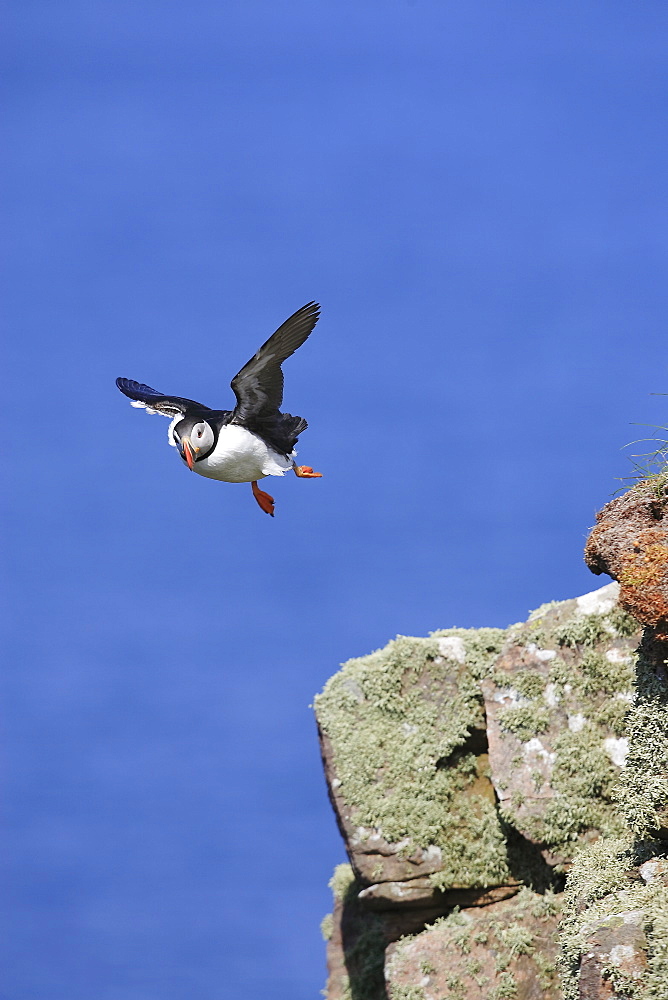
417	761
506	950
463	768
630	544
643	787
404	751
555	704
615	931
614	959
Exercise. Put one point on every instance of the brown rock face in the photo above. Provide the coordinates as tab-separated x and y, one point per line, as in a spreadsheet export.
630	544
616	949
508	949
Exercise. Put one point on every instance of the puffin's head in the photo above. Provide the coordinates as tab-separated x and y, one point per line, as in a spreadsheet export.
194	438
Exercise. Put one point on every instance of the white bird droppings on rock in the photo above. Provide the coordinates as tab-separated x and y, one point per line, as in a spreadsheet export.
452	647
576	723
615	655
432	853
534	746
621	953
598	602
649	870
617	749
507	696
352	687
541	654
550	695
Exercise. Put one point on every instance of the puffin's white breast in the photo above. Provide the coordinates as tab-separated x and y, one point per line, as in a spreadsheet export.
241	457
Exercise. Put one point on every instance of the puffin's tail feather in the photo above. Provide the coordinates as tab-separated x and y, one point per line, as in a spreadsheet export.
297	424
281	430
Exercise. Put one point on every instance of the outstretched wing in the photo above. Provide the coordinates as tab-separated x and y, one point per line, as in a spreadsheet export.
155	402
259	385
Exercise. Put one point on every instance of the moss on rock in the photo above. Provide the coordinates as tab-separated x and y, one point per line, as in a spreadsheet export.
606	892
399	721
643	789
504	950
556	704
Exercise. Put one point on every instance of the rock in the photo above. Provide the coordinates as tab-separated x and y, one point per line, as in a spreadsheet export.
465	771
420	894
371	855
405	756
423	740
356	943
507	949
643	786
555	705
630	544
615	949
357	939
614	931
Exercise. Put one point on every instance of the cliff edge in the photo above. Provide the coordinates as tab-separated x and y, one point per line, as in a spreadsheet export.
503	795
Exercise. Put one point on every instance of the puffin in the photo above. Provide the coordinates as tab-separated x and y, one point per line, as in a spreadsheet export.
255	439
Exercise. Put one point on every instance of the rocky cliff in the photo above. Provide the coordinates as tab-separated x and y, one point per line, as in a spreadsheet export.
503	795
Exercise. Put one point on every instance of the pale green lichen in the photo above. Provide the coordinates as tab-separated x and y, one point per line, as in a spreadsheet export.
365	961
526	721
327	926
585	779
396	720
613	715
527	683
604	880
580	681
482	645
505	989
643	788
600	887
621	622
561	624
406	992
583	630
455	987
521	930
342	881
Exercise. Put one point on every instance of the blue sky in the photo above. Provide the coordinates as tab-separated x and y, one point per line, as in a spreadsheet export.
476	195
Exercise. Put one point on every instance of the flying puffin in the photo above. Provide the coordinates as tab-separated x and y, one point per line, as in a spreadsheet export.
255	439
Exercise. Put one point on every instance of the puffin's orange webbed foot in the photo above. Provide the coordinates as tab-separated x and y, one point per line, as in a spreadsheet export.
306	472
264	500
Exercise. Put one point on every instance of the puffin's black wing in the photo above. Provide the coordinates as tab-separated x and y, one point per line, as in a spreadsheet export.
170	406
259	385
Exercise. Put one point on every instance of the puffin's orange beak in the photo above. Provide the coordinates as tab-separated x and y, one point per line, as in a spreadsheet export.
188	454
